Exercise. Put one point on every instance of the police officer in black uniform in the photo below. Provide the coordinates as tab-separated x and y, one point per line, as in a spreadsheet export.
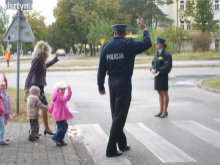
117	60
161	67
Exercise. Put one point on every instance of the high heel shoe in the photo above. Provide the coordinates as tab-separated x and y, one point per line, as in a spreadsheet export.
164	115
158	115
49	132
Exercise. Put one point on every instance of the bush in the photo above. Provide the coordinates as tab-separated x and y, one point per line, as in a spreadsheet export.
201	41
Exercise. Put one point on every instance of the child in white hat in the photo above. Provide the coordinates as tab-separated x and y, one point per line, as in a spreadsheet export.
60	111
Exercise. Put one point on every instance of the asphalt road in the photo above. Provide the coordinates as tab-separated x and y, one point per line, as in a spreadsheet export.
190	134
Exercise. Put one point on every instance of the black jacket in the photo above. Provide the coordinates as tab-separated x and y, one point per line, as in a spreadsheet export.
162	62
117	57
37	73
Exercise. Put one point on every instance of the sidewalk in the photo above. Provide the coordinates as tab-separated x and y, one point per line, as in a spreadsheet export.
42	152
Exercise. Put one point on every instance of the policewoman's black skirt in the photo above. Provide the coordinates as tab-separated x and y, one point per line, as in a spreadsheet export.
161	82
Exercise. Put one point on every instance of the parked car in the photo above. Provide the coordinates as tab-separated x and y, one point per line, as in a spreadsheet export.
61	52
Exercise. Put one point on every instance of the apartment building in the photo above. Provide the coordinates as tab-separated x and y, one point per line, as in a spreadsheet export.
173	12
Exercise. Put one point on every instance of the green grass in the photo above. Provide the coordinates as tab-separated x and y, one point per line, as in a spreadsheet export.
212	83
196	55
22	116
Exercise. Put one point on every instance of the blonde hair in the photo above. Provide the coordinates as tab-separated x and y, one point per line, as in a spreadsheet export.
42	49
34	89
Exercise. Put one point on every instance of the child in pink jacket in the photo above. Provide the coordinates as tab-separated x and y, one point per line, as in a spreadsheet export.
60	111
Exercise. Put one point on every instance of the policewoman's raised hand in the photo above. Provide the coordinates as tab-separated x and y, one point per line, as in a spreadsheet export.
141	24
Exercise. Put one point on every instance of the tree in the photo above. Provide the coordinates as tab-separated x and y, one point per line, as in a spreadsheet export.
38	26
204	19
200	15
64	33
148	10
99	30
3	23
59	38
75	17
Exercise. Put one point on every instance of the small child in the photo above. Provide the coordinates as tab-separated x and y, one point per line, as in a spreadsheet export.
2	125
33	106
5	101
60	111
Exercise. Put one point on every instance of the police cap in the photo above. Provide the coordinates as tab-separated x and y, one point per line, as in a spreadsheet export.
121	27
160	40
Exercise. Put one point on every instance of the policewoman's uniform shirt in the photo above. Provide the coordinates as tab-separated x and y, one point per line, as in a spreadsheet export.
117	57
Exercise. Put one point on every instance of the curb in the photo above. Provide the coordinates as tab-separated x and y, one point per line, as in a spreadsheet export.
208	89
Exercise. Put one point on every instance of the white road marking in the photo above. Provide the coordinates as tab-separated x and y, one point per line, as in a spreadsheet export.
205	133
95	141
217	120
160	147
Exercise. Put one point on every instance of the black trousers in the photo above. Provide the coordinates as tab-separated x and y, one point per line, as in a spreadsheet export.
120	98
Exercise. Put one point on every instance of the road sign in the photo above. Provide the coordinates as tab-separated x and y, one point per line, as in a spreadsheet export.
19	4
26	34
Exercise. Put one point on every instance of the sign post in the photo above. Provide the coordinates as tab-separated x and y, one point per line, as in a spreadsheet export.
18	62
19	31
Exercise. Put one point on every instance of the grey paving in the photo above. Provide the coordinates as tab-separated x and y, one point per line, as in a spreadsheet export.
42	152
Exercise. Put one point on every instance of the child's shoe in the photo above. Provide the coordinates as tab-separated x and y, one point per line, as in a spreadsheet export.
32	139
4	143
64	143
57	142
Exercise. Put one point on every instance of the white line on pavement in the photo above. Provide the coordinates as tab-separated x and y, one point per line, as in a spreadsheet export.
217	120
95	141
163	149
205	133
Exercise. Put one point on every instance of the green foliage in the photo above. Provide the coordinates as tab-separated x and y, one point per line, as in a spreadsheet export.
99	30
75	18
175	38
36	21
200	15
65	31
204	19
147	10
3	22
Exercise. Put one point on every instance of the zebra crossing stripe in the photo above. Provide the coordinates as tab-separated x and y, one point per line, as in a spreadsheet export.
95	141
217	120
205	133
161	148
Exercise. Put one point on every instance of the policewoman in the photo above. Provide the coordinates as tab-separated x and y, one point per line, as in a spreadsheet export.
161	67
117	60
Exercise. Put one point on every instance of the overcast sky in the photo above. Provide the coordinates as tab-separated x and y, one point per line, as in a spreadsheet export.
44	6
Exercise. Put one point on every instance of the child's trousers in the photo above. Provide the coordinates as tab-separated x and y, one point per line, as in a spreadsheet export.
34	128
62	127
2	130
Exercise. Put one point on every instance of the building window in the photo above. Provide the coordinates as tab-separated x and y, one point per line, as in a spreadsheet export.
216	4
217	44
182	24
182	5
